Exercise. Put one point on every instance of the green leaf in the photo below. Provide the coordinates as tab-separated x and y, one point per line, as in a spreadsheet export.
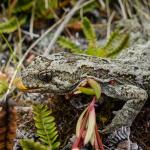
79	122
50	131
90	126
12	24
31	145
89	33
56	145
47	120
23	5
46	127
115	44
88	91
91	51
96	87
68	44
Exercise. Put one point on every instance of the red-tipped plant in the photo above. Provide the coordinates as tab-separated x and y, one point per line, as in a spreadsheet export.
86	129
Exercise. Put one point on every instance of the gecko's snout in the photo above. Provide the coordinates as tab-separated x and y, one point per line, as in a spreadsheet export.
19	84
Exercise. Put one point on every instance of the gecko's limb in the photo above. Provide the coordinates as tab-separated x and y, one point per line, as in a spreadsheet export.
135	98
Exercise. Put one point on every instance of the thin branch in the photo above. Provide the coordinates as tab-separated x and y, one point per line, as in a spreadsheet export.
62	26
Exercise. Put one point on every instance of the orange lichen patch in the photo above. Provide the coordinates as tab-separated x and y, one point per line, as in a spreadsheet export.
19	84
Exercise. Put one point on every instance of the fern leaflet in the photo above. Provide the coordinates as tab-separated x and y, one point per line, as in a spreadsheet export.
66	43
89	33
11	25
115	44
112	47
31	145
46	127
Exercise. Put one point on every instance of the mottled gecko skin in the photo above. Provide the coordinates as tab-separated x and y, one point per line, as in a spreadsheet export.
60	73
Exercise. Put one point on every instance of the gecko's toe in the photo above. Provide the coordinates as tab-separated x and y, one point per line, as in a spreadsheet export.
119	138
109	129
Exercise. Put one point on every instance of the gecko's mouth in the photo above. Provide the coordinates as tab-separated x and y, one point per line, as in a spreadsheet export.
31	90
20	85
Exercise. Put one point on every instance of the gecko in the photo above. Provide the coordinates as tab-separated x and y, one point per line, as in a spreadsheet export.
61	73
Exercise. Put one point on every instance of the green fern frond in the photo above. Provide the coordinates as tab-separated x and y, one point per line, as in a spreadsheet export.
115	44
46	127
114	36
31	145
89	33
68	44
11	25
123	42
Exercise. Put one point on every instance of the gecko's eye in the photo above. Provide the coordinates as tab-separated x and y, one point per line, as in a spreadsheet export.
45	76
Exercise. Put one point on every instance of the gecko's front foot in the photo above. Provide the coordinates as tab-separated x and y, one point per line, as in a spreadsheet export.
135	98
124	117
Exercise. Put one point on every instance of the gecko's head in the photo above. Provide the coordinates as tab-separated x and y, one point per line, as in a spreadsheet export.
53	74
